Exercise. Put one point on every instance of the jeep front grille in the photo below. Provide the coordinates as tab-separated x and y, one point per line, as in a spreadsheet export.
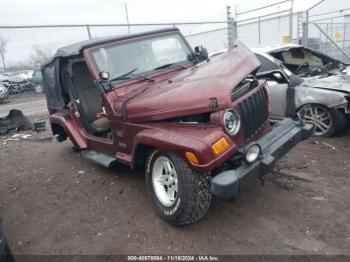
254	113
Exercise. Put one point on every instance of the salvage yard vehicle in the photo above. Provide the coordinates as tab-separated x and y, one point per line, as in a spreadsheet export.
305	62
325	102
198	126
4	94
37	81
17	82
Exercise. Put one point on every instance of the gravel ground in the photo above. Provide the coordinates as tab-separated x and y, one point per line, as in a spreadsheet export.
53	201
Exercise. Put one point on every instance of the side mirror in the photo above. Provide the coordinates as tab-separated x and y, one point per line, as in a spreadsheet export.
104	75
103	84
278	75
201	53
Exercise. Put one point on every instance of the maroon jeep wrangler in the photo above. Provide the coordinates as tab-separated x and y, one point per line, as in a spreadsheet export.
198	126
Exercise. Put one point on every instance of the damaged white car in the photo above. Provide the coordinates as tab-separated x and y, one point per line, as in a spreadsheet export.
306	62
323	101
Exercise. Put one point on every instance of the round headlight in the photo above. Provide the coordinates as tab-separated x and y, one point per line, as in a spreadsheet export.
252	153
231	121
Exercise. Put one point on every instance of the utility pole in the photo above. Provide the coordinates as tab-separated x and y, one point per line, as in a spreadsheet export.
127	16
88	31
229	27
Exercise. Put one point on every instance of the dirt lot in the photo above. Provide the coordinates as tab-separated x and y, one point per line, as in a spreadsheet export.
53	201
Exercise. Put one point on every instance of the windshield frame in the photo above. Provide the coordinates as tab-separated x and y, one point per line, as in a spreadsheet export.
279	64
87	53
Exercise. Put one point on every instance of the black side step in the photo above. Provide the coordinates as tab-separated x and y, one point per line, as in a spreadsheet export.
98	158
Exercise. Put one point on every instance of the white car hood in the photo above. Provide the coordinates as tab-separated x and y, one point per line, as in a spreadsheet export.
335	82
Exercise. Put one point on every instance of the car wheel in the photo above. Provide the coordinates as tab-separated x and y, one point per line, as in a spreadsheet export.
179	195
328	122
38	89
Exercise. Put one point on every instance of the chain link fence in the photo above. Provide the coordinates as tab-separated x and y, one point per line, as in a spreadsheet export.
332	39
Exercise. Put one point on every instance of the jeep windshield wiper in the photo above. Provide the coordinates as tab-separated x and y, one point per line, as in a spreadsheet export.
124	76
129	74
169	65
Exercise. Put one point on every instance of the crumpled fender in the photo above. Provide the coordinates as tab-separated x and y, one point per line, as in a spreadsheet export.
311	95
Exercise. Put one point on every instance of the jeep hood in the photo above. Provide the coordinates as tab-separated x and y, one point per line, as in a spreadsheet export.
340	83
190	91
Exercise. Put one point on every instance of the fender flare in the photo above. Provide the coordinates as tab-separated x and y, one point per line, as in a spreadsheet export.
169	141
71	128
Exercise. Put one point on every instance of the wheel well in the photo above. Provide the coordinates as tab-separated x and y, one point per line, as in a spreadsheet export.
322	105
58	131
311	104
141	154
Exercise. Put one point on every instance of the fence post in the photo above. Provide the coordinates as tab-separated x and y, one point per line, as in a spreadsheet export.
127	16
344	33
234	29
291	20
327	29
306	29
230	36
88	31
259	30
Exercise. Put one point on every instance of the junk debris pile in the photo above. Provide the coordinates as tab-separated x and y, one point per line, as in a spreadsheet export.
15	121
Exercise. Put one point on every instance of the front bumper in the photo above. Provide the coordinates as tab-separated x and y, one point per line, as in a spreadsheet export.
283	137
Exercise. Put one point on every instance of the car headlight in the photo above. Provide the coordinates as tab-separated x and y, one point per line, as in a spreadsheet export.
253	153
231	121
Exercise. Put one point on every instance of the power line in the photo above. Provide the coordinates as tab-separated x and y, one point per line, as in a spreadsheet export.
263	7
111	25
337	11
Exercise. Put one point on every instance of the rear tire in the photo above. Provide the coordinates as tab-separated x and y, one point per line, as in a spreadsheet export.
167	173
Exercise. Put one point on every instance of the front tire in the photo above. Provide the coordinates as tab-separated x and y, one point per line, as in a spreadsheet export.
328	122
179	195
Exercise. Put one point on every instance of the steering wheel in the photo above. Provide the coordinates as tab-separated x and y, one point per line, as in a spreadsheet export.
305	64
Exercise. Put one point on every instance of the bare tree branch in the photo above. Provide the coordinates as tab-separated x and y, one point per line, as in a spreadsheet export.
40	55
3	50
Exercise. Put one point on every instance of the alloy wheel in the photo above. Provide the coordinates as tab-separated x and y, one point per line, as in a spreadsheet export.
165	181
318	116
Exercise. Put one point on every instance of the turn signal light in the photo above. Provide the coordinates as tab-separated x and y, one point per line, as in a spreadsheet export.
192	158
220	145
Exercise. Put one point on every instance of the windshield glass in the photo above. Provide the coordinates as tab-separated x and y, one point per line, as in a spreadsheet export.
145	55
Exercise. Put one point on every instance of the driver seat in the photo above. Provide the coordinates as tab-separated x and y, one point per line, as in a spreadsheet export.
89	97
101	124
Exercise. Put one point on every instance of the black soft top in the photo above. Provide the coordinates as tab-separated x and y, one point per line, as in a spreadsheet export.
76	48
56	91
